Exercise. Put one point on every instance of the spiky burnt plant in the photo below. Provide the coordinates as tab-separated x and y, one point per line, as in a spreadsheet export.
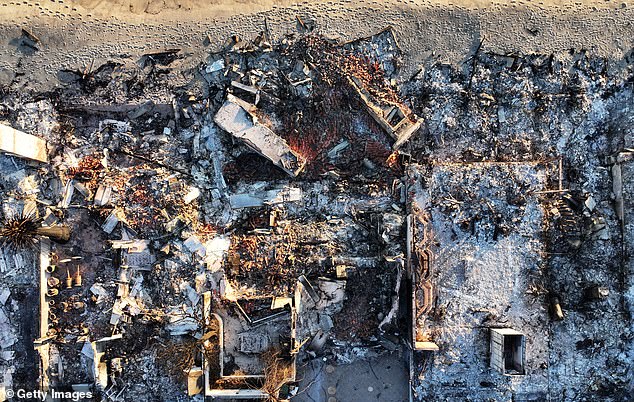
19	231
22	230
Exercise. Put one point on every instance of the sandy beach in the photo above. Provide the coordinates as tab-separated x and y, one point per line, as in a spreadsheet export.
76	34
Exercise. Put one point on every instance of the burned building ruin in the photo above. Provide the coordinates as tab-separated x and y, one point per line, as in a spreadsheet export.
291	218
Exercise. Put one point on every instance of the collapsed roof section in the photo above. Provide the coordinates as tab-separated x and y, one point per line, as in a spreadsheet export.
237	117
396	119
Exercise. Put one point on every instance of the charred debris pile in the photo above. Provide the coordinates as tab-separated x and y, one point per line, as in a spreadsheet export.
264	187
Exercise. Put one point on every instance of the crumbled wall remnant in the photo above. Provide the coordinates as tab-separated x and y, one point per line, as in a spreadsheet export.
423	298
617	179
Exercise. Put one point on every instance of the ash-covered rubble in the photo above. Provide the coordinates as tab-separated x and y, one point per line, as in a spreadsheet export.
287	200
565	112
211	248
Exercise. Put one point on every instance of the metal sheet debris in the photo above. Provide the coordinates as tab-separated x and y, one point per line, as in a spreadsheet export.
21	144
237	117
